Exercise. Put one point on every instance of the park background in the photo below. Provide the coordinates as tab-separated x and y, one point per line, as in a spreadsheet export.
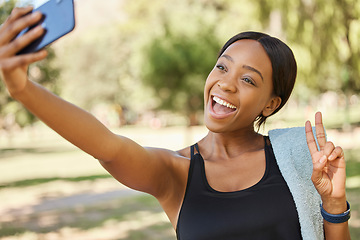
139	67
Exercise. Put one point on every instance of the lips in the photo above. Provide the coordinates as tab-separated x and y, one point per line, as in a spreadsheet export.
220	107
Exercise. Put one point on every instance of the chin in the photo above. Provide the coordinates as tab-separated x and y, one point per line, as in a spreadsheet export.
214	127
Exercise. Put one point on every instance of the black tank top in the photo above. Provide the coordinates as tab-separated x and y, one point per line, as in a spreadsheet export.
264	211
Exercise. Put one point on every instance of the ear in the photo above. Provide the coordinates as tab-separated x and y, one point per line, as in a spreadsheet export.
272	105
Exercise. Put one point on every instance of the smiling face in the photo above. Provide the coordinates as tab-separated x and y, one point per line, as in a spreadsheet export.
239	88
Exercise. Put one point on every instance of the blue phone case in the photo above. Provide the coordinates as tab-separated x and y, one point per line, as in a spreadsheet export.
58	20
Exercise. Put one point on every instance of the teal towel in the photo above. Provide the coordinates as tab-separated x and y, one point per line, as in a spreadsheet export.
294	160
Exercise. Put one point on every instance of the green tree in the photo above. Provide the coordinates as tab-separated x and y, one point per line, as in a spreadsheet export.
176	66
177	60
325	35
100	67
44	72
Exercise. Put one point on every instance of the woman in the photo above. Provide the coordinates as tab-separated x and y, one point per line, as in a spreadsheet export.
228	185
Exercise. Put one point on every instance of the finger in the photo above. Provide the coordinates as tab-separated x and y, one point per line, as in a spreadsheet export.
310	138
328	148
320	133
22	60
19	43
16	13
20	11
9	32
337	153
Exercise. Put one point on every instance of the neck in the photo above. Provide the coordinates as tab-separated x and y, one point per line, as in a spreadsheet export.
226	146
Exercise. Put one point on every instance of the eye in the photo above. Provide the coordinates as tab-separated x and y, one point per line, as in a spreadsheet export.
221	67
248	80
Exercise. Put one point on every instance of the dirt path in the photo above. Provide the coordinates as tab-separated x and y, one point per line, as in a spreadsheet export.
66	202
99	210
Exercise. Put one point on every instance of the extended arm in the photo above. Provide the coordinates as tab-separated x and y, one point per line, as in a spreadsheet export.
144	169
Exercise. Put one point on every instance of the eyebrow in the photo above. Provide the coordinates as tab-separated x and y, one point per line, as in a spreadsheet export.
228	57
254	70
244	66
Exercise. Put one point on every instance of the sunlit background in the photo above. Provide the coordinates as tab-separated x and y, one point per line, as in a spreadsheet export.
139	67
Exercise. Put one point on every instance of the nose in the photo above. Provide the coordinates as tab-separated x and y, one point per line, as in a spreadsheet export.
227	85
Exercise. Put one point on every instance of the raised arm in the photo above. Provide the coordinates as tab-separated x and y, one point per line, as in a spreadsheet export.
144	169
74	124
329	178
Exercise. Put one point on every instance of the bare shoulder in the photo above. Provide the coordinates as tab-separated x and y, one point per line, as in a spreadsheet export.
175	162
185	152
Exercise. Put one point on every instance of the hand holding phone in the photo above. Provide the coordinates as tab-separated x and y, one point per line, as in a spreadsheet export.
58	20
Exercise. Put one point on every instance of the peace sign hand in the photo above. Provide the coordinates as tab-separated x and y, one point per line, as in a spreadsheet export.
329	174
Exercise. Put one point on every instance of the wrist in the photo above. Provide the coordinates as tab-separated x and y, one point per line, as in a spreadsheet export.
336	218
20	94
17	91
334	206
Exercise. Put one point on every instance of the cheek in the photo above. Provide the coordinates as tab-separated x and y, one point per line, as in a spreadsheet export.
209	83
254	103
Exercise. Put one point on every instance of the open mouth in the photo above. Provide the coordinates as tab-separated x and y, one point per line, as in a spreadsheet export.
222	107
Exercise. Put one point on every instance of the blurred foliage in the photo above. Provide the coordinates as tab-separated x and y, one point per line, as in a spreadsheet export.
44	72
325	36
176	64
176	67
101	65
93	65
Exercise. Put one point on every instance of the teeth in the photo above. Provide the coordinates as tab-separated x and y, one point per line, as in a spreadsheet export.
222	102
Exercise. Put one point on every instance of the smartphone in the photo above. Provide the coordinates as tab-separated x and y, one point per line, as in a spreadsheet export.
58	20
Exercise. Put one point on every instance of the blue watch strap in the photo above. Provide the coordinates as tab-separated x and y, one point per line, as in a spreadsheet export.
336	218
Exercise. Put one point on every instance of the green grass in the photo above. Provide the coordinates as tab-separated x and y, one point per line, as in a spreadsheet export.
353	162
116	211
37	181
353	193
353	196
